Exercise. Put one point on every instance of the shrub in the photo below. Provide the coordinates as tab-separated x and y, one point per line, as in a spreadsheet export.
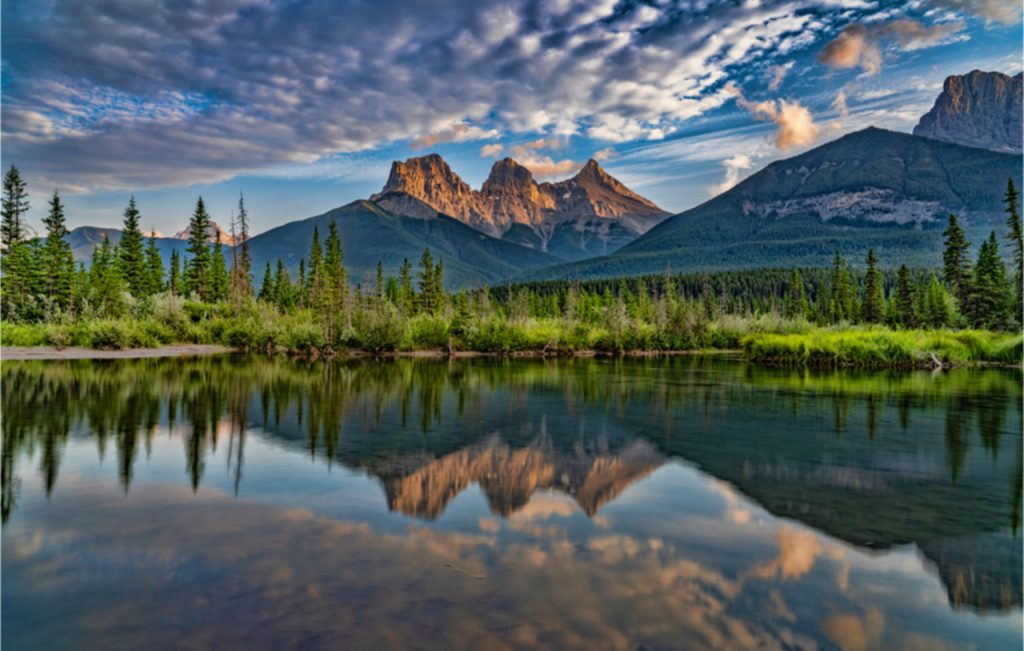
108	335
378	329
427	332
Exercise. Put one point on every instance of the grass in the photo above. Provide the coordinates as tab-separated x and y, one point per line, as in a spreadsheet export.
765	339
880	347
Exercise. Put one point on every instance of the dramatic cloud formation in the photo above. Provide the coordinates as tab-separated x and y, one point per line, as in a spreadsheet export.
104	95
795	122
858	45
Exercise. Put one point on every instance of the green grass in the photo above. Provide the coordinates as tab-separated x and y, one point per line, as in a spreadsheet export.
880	347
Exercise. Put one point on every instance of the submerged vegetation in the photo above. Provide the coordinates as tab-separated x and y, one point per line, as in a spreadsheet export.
126	298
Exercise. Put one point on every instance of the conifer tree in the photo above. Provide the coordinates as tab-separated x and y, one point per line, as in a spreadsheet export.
378	283
59	266
154	267
956	267
873	310
795	304
106	282
197	267
989	302
131	254
315	273
241	270
335	282
218	272
174	276
13	208
428	302
1016	237
841	302
267	290
406	293
284	294
906	303
936	312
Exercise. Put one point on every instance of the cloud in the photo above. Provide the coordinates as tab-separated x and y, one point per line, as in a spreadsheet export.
607	153
839	104
851	49
998	11
796	124
454	133
859	45
733	167
491	150
543	166
778	74
175	97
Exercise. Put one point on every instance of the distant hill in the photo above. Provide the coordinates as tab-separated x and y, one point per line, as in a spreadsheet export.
873	188
370	233
590	214
979	109
85	239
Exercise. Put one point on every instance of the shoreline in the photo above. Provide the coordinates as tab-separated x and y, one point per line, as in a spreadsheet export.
51	353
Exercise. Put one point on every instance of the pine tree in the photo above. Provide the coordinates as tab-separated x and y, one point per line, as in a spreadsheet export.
873	310
218	273
956	267
378	283
106	282
174	276
154	267
795	303
197	267
267	290
1016	237
59	266
428	302
131	254
315	273
906	301
841	303
406	293
13	208
936	312
989	302
241	270
284	294
335	281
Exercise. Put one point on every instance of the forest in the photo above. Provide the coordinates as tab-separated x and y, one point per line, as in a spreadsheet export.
866	312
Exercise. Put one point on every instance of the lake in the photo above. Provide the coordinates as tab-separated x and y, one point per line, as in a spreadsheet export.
684	502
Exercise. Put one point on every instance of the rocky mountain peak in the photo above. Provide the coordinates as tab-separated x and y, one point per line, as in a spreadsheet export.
979	109
211	234
511	196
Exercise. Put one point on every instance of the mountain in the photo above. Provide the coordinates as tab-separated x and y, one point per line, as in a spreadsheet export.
212	231
873	188
85	239
589	214
370	232
979	109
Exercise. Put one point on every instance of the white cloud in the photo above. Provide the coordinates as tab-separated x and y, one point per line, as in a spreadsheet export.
733	167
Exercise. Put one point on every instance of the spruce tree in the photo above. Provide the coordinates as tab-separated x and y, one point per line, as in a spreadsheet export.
335	281
906	301
197	267
154	267
795	303
840	306
267	290
873	310
13	208
956	267
428	302
106	282
315	280
284	295
59	267
989	304
241	271
1016	237
936	313
406	293
131	253
218	272
174	276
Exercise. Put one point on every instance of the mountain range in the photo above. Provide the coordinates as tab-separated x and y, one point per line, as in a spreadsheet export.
869	189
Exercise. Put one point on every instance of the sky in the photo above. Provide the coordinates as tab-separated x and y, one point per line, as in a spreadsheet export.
303	105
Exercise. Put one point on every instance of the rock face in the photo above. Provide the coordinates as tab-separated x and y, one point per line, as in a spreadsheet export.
590	207
212	231
979	109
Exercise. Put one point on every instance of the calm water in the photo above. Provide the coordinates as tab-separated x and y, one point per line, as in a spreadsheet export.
682	503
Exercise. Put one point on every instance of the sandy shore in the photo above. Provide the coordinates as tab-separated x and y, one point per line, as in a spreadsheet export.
12	353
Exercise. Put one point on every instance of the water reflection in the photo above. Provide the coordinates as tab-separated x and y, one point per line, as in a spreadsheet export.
872	461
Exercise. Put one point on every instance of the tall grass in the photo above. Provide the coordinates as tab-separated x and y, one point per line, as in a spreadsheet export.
879	347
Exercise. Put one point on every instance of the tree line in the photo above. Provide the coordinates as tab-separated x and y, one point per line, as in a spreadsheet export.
42	283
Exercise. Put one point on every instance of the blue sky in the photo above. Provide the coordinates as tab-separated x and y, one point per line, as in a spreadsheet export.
303	105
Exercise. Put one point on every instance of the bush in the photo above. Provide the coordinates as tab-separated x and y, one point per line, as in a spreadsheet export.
427	332
108	335
378	329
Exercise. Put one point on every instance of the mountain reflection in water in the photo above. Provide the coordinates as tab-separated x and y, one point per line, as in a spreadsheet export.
876	461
